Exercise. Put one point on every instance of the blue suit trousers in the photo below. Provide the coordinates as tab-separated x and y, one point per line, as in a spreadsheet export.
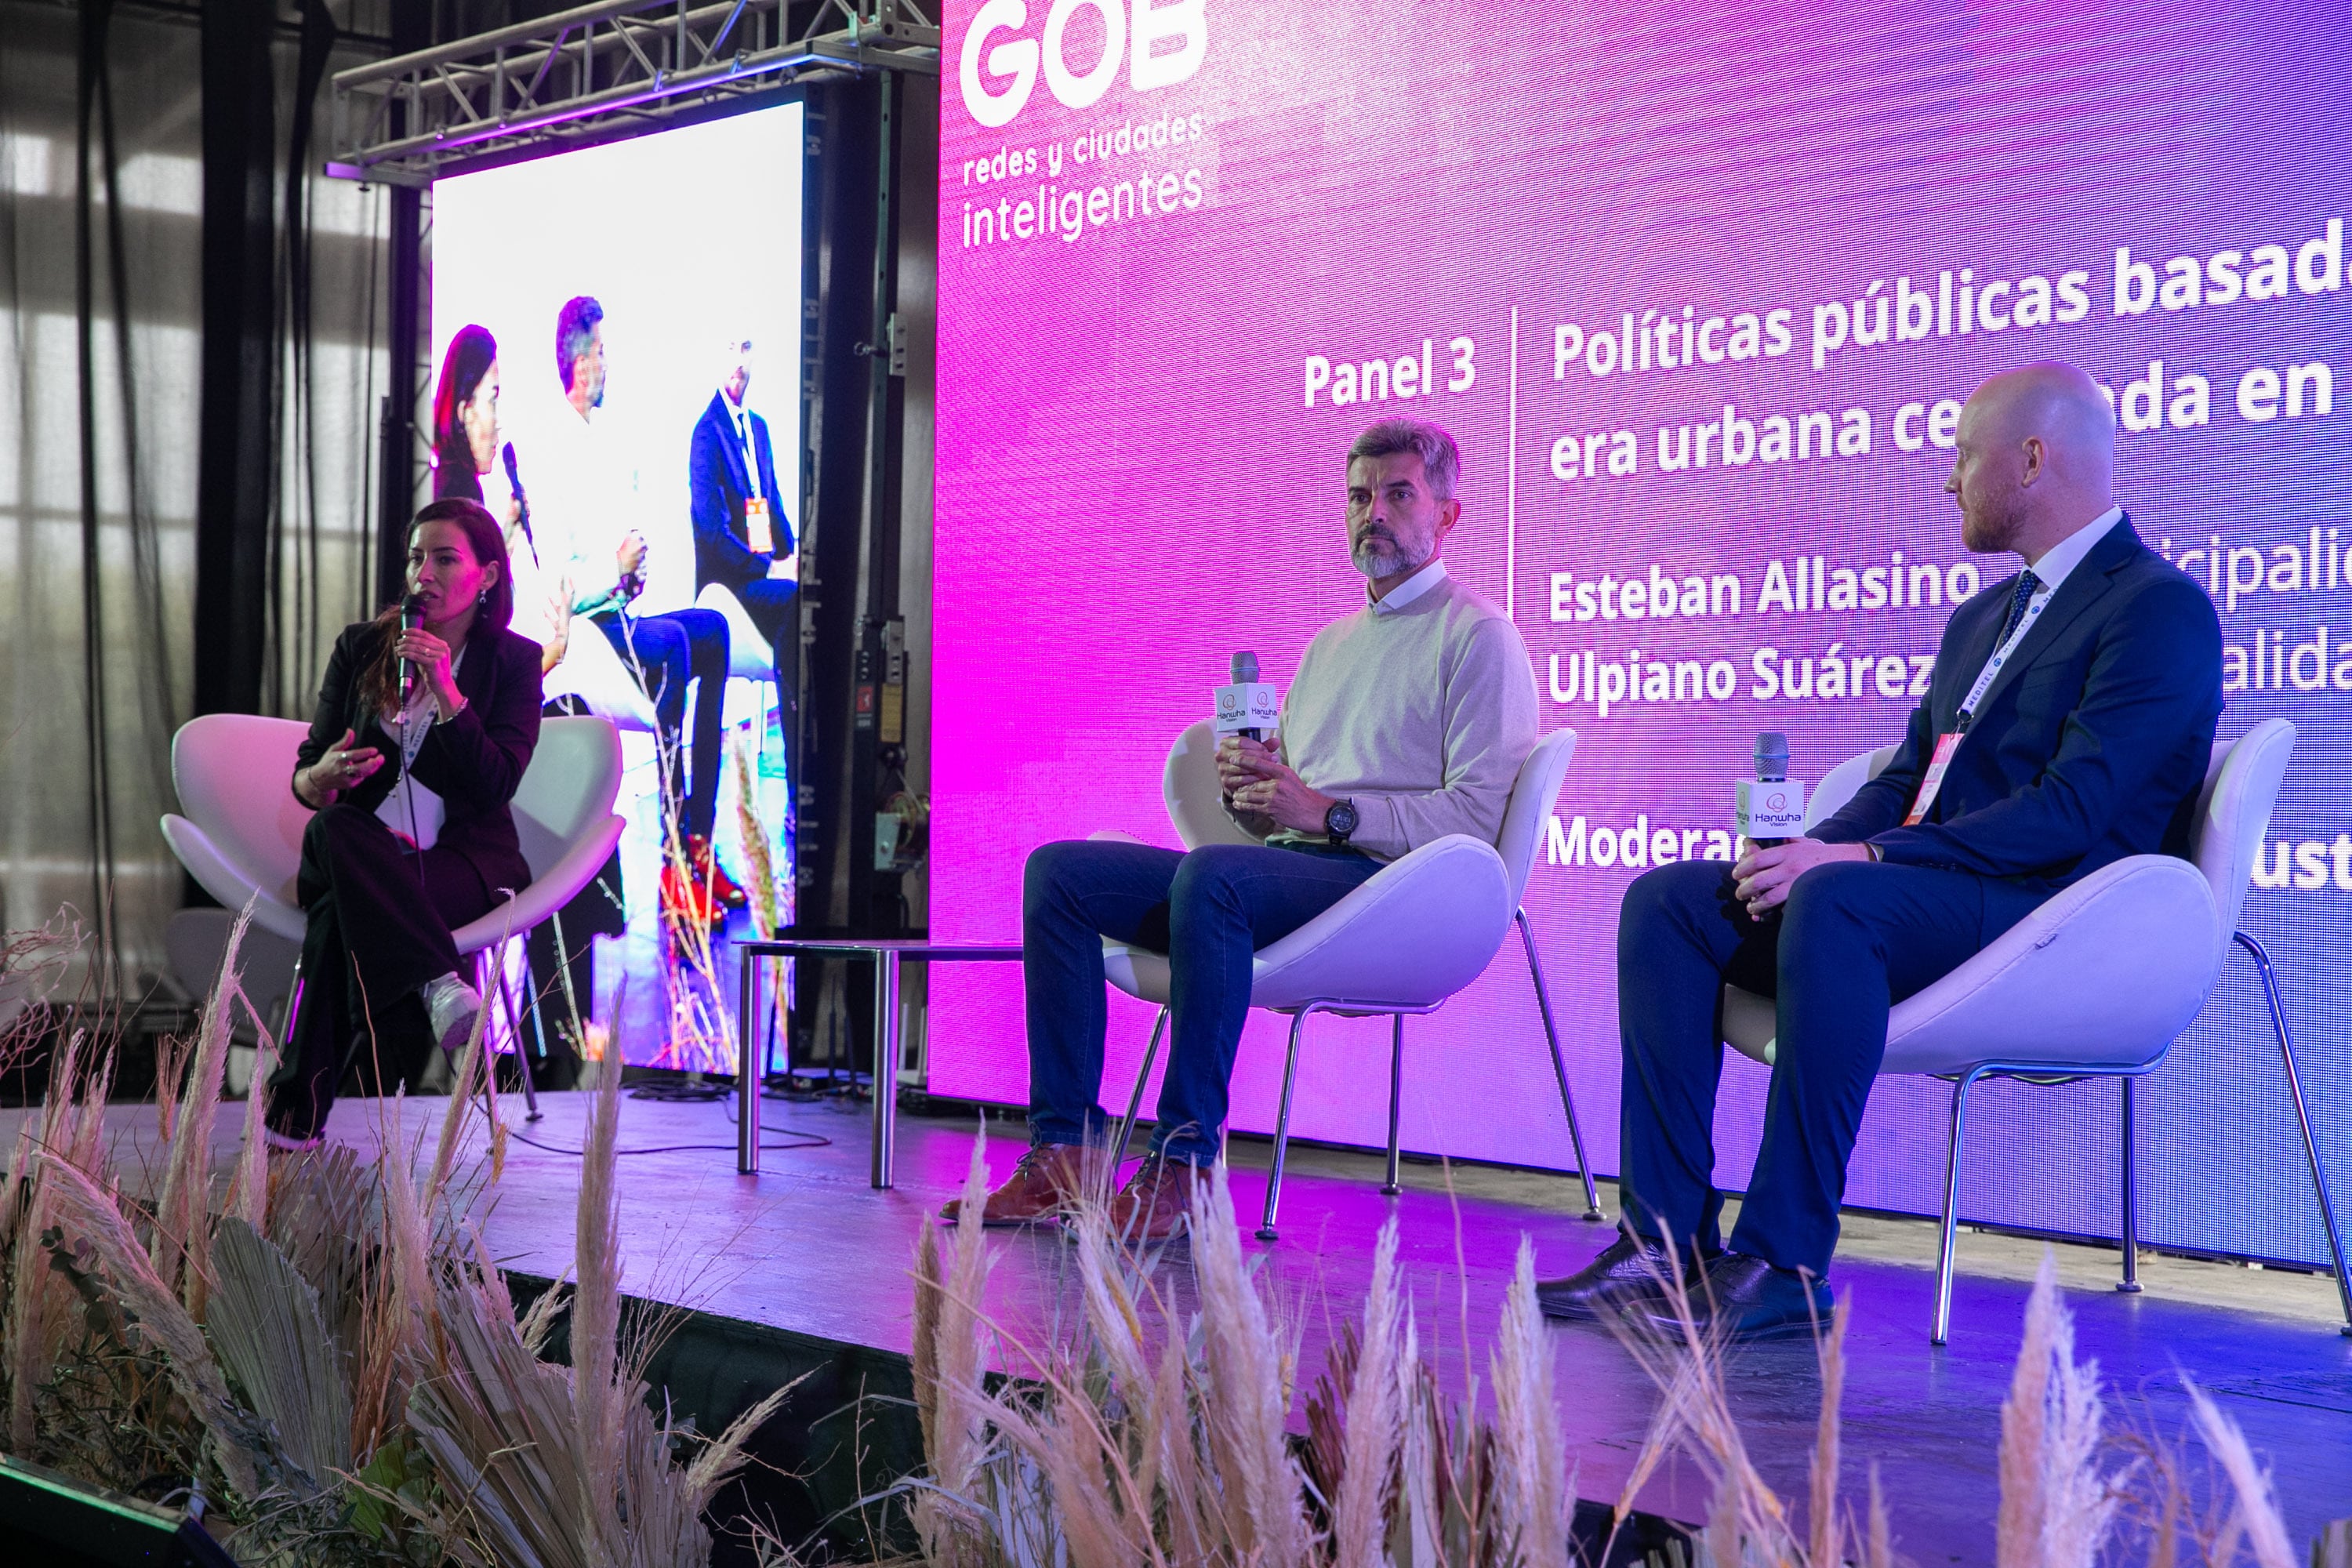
1852	939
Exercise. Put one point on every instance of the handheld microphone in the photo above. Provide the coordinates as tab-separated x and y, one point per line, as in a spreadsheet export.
514	483
1768	809
412	616
1247	706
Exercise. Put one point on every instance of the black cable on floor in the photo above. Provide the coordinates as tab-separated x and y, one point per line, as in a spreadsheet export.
679	1091
806	1140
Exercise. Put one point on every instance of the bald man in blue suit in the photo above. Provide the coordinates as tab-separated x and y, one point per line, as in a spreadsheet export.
2073	704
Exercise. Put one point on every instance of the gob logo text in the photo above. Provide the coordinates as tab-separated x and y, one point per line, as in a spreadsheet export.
1160	41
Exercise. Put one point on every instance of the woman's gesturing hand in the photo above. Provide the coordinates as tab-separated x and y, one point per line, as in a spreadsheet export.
342	767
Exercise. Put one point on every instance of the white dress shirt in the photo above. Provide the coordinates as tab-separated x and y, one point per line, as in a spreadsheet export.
2057	563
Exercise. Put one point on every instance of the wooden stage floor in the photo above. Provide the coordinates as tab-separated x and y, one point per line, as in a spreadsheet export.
808	1250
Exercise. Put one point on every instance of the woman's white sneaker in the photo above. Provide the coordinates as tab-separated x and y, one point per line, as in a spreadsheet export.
452	1006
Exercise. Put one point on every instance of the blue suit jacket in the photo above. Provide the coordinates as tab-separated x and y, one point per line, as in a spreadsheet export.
718	486
2091	745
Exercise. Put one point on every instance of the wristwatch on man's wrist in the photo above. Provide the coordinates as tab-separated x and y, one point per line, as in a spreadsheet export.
1339	820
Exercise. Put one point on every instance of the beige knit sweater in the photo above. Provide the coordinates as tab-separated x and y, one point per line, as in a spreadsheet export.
1419	708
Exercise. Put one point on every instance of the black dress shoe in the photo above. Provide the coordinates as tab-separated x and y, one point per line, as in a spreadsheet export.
1743	1297
1623	1279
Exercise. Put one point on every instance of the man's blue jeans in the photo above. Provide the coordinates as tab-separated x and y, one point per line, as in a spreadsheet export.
1210	910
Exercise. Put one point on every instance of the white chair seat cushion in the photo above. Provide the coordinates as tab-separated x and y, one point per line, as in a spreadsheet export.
233	885
2102	977
550	889
748	653
1420	930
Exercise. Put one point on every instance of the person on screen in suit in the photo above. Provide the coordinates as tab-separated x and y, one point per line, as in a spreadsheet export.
2071	708
411	836
1407	722
590	538
731	475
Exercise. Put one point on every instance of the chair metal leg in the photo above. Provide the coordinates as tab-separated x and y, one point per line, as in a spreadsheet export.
1558	1068
293	1011
514	1031
485	976
1135	1101
1266	1231
1943	1325
2129	1283
2302	1118
1396	1095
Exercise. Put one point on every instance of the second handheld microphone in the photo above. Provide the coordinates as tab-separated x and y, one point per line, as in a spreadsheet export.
1247	706
1768	809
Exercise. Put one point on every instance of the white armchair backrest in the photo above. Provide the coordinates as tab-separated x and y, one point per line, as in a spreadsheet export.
573	778
235	776
1532	799
1195	799
2234	813
1841	782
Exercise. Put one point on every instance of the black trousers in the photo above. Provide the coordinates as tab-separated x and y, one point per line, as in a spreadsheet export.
669	652
372	943
1854	939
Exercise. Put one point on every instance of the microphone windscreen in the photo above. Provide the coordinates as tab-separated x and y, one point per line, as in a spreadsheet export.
1244	668
513	477
1772	755
412	609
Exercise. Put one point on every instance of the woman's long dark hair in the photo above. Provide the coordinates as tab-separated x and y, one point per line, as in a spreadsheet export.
471	353
380	685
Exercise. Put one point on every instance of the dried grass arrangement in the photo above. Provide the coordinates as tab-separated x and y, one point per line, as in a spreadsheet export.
320	1354
1105	1449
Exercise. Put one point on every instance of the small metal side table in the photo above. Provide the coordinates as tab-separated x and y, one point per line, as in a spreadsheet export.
886	954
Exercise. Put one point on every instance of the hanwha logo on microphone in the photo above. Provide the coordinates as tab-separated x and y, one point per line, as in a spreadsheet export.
1229	704
1778	801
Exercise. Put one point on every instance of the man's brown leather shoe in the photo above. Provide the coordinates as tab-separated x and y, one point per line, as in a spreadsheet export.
1156	1204
1047	1181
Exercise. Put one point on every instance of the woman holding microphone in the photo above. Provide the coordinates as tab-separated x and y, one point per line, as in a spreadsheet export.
422	734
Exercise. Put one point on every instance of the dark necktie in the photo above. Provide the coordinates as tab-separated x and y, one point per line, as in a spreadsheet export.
2026	585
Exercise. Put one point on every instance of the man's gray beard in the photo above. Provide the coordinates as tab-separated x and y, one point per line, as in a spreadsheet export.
1373	564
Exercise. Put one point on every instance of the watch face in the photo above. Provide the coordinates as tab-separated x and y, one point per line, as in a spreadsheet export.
1340	819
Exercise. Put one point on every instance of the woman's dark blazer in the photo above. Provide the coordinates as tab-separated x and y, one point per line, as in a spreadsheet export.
473	762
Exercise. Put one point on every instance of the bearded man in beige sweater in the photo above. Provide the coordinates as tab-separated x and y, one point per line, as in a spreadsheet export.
1407	722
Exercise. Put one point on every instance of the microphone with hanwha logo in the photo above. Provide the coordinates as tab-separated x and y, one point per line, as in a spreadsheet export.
1247	706
1768	809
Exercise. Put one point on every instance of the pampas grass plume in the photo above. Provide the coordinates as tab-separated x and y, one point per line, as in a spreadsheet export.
1359	1522
1248	1400
1527	1447
2255	1513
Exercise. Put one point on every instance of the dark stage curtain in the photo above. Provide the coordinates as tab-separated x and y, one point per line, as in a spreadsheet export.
141	580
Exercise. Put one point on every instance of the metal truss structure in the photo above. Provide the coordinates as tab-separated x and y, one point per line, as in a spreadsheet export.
594	67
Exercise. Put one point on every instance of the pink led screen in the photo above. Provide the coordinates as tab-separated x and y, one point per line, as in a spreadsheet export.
1698	290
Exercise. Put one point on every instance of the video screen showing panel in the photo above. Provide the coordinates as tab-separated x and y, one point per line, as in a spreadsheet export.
631	313
1699	289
